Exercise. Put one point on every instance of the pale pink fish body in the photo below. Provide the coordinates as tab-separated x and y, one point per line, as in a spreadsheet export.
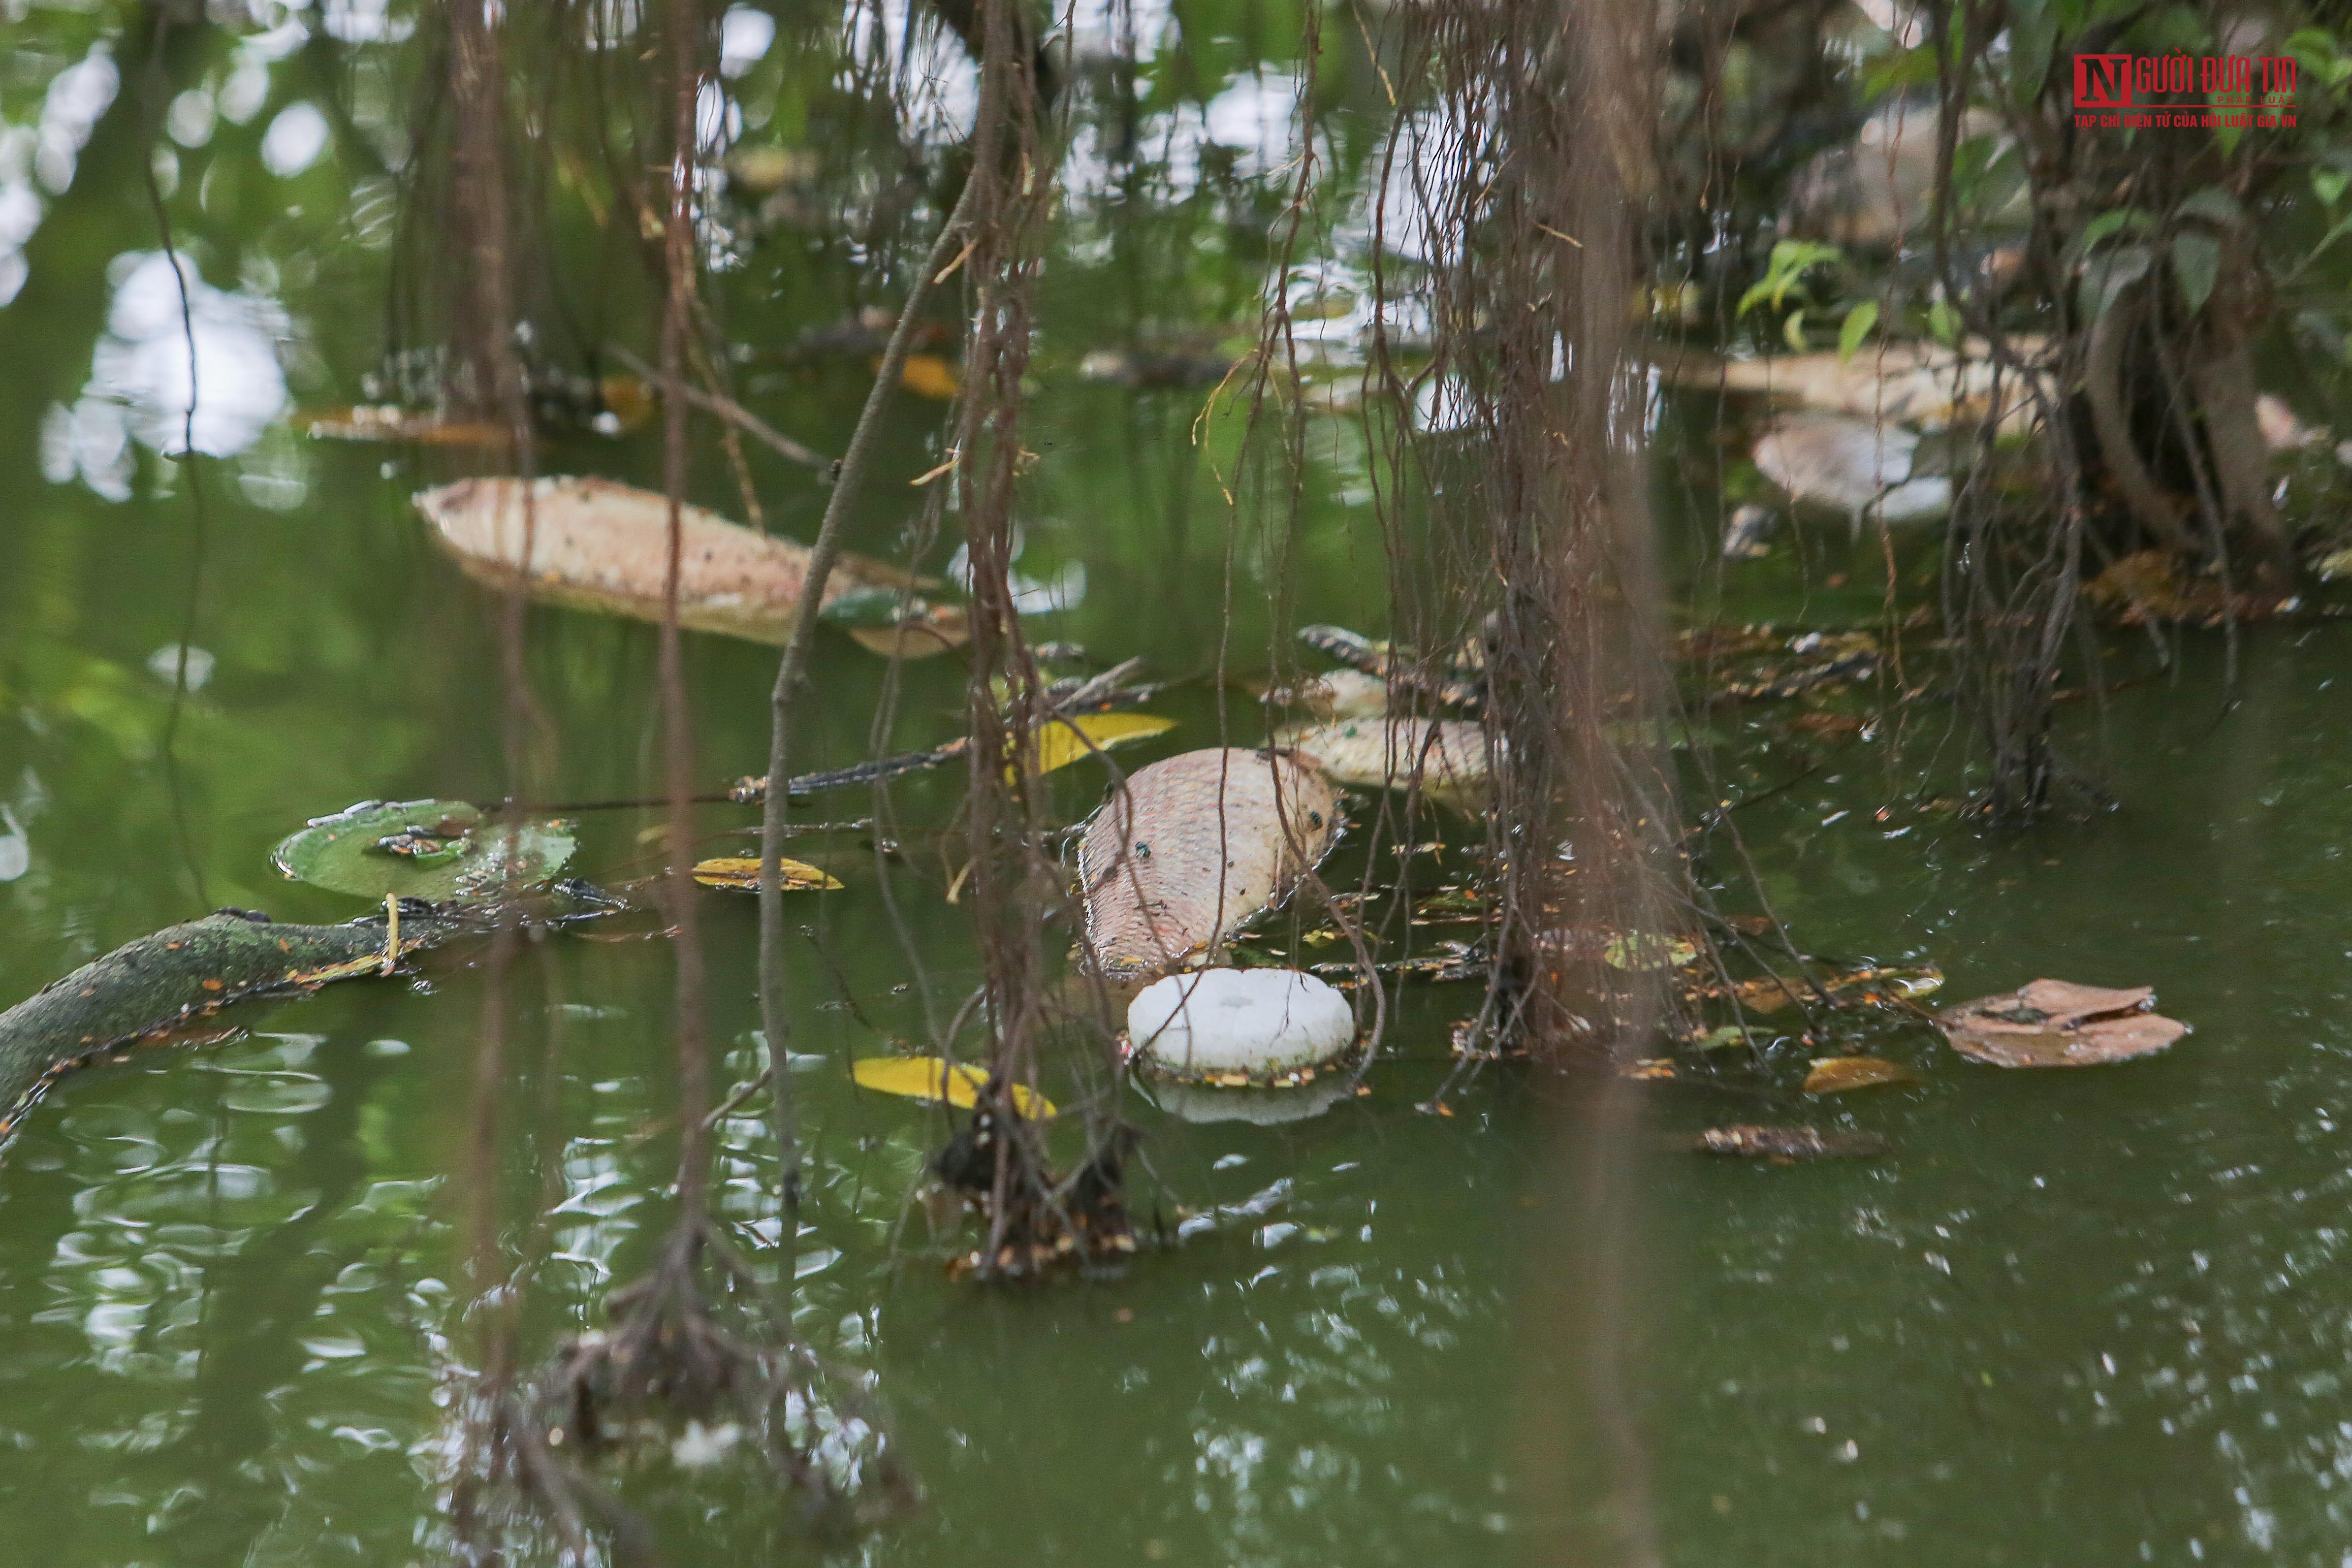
1195	846
598	545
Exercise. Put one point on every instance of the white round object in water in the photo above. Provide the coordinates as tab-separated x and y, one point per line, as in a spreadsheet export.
1259	1023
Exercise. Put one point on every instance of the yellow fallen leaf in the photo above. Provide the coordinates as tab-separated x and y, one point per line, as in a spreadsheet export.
744	872
1836	1074
1065	740
928	375
928	1078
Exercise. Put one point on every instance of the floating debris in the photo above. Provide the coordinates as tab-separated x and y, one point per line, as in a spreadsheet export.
1837	1074
742	871
1924	385
2056	1023
1786	1145
1852	466
1748	535
1148	865
1876	985
595	544
1235	1028
1459	680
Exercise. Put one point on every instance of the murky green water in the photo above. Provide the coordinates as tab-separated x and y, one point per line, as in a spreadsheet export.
2075	1317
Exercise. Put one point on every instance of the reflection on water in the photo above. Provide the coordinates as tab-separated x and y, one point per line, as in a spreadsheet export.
2092	1309
143	385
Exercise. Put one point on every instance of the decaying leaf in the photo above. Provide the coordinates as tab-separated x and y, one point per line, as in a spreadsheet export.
1836	1074
597	545
2056	1023
1874	984
930	1077
435	850
1149	867
744	872
1787	1145
1448	755
1648	950
928	375
1063	741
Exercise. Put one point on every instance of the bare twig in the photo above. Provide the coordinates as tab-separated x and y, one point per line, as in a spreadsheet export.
847	478
726	409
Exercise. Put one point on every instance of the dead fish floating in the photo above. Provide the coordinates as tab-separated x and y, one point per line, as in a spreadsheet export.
1191	848
1448	757
597	545
1853	466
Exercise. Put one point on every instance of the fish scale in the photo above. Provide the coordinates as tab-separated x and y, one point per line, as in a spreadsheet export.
1148	865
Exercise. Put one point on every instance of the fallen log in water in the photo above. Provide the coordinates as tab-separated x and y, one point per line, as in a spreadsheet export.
165	985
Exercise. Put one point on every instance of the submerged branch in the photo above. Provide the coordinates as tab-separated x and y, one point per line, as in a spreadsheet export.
728	411
178	979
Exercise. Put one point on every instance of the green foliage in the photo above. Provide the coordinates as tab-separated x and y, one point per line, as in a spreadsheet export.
1792	259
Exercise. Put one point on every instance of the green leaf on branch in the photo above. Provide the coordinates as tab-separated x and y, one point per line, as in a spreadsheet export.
2197	263
1856	328
1792	259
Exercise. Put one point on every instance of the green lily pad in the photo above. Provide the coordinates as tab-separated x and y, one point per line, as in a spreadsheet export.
436	850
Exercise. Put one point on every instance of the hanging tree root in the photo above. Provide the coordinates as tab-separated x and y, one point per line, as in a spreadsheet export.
668	1353
164	986
1035	1220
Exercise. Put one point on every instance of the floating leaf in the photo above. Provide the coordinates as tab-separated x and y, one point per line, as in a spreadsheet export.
1836	1074
928	375
2056	1023
1769	994
1648	950
1065	740
744	872
928	1078
435	850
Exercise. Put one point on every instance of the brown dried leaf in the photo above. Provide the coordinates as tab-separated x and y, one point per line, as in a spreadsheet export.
1836	1074
2056	1023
